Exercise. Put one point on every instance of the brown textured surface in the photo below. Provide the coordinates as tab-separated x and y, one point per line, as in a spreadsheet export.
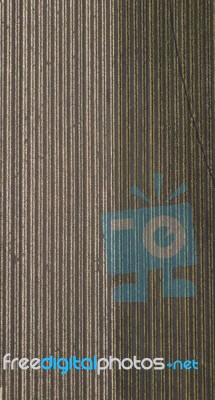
96	95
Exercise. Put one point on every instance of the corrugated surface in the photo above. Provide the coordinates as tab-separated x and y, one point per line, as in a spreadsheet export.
96	95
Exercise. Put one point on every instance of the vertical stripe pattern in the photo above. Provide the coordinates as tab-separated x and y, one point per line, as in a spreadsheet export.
95	97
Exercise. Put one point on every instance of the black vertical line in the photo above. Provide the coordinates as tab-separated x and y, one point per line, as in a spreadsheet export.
14	262
21	183
212	137
37	155
207	220
84	192
60	267
77	190
45	265
69	177
100	97
29	190
4	185
92	293
53	189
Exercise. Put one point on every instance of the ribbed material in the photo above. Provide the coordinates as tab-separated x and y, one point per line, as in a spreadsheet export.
96	96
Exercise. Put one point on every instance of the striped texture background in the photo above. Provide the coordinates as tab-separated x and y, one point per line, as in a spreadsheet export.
96	95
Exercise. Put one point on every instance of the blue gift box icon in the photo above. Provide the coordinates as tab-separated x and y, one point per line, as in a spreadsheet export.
150	238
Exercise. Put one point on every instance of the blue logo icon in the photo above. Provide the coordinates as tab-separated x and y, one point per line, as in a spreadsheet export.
151	238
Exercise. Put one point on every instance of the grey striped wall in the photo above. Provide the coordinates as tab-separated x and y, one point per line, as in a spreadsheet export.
96	95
